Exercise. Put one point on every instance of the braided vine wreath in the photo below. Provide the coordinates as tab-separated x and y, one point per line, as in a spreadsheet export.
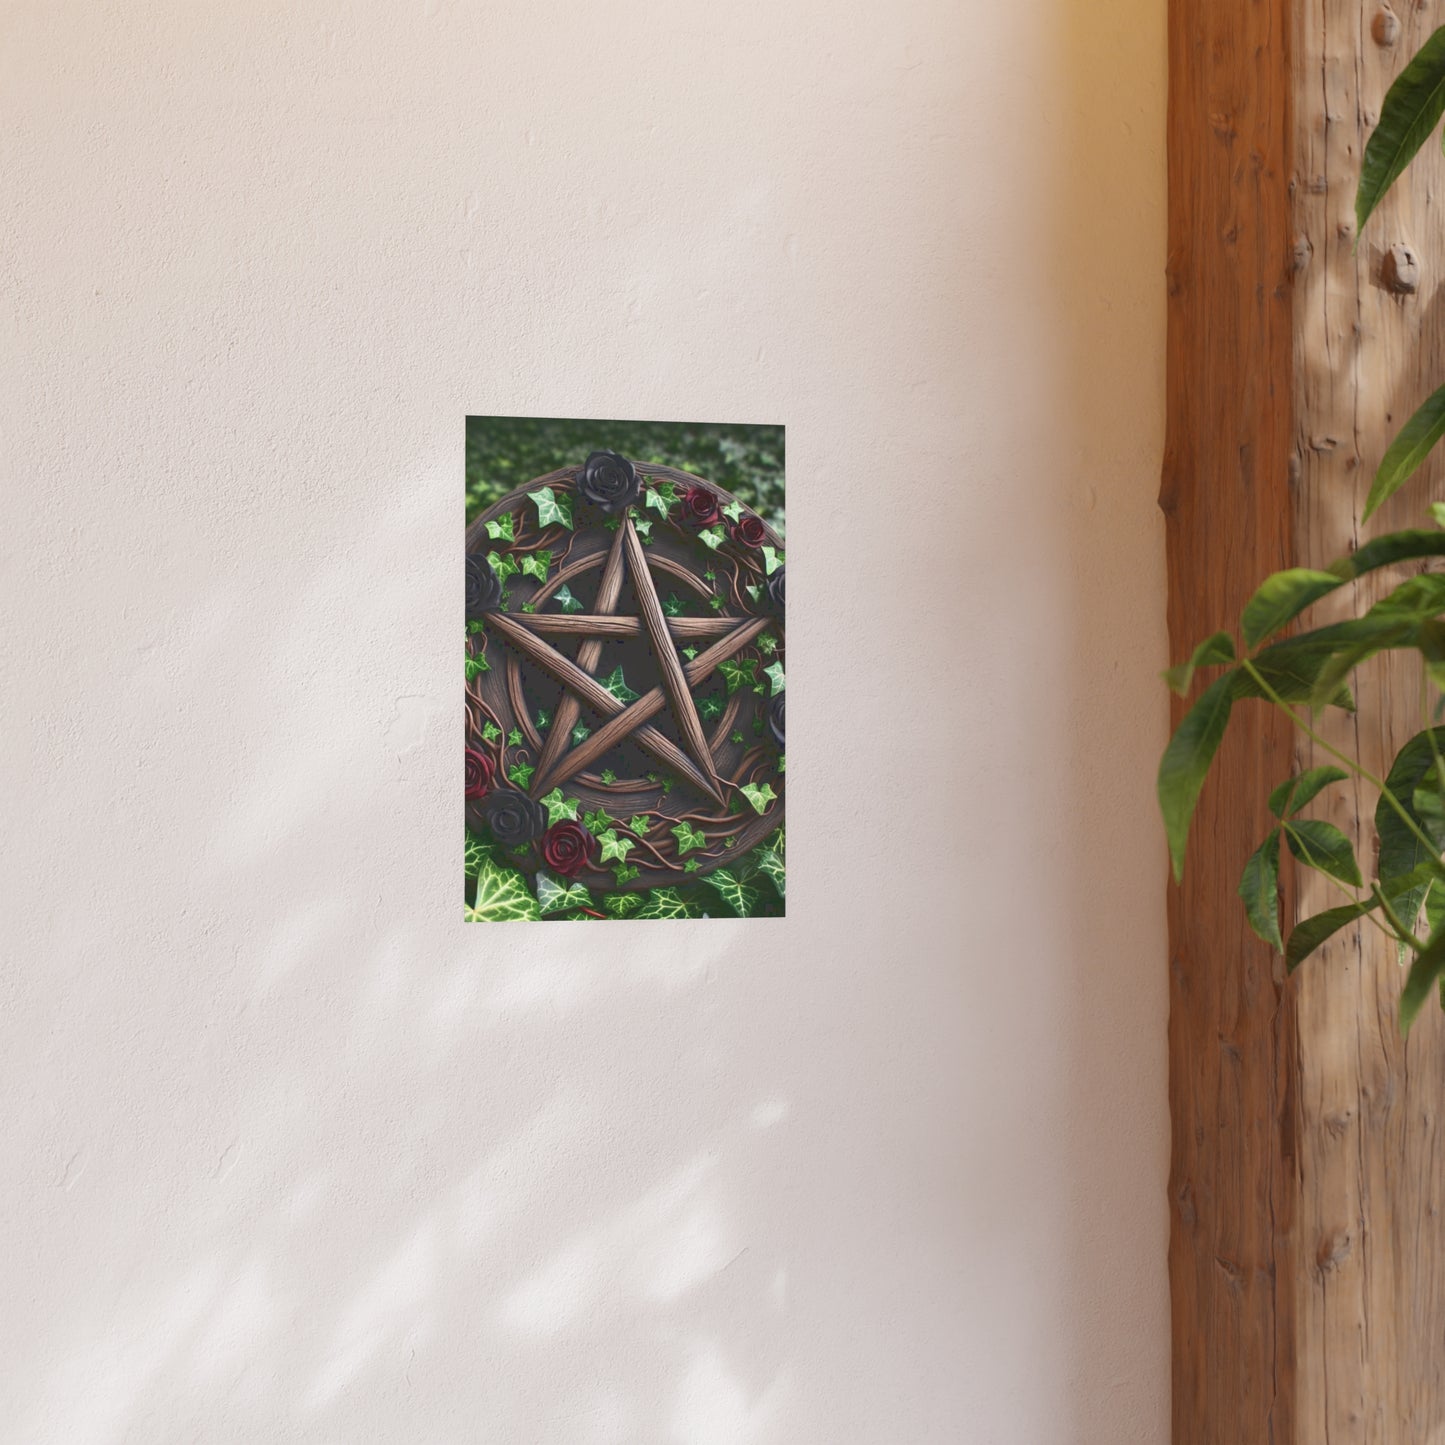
625	699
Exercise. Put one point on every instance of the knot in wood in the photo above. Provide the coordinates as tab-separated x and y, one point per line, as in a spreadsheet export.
1400	271
1385	27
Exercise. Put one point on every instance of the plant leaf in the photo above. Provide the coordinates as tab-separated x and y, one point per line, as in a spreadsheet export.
772	559
622	905
759	795
1186	761
1218	648
688	837
774	673
552	507
559	809
738	673
1322	846
666	903
1414	442
501	529
741	897
565	600
553	897
1413	105
502	896
614	845
1259	887
1406	546
616	684
770	861
1298	792
535	564
1308	934
1280	599
1428	967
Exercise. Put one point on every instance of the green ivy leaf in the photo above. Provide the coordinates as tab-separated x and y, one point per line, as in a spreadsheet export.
642	528
559	809
767	644
1298	792
772	560
625	874
735	737
521	774
565	600
478	850
502	896
598	822
733	511
712	537
614	845
475	626
674	606
529	607
543	719
622	905
491	732
710	707
660	496
552	507
639	823
738	673
689	653
691	866
608	776
1259	887
754	590
741	897
616	684
500	529
554	897
503	566
1186	760
688	837
580	733
770	861
1412	108
1219	648
475	667
666	903
514	738
668	784
774	674
537	564
759	795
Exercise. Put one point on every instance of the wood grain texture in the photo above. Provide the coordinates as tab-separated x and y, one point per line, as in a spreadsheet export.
1307	1258
585	686
582	624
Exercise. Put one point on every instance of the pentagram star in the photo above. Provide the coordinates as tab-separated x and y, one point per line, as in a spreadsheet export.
693	760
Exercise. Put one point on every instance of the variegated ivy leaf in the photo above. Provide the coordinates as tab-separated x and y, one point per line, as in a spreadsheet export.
770	861
476	666
754	590
580	733
559	809
660	496
688	837
536	564
554	897
738	673
478	850
710	707
503	565
772	559
735	737
491	732
597	823
552	507
616	684
767	644
741	897
514	738
716	603
774	674
759	795
689	653
666	903
565	600
622	905
733	511
625	874
502	896
639	823
521	774
500	528
674	606
608	776
544	718
614	845
642	528
691	866
712	537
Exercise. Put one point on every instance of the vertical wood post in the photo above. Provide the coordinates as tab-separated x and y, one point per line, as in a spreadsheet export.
1307	1249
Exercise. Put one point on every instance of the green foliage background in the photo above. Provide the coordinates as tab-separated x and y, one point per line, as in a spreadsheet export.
748	461
505	451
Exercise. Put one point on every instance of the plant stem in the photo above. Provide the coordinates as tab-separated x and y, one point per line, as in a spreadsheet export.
1355	767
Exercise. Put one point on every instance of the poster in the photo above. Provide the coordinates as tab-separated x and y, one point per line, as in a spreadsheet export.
626	683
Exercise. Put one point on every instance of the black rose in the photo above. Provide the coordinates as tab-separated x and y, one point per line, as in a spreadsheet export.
775	588
484	592
608	481
775	717
514	818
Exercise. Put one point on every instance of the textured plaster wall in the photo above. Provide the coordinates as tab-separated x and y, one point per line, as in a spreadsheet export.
288	1153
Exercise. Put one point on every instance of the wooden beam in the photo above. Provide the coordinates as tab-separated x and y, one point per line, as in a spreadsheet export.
1307	1257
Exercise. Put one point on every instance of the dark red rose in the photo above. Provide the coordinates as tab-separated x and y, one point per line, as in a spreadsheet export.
749	530
479	773
567	848
699	506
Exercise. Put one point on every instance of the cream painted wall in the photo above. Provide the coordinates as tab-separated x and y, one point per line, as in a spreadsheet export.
288	1153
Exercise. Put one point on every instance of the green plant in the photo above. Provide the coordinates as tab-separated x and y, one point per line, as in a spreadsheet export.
1304	673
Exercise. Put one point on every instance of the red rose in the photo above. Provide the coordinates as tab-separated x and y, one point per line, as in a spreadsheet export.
749	530
567	848
700	506
479	773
